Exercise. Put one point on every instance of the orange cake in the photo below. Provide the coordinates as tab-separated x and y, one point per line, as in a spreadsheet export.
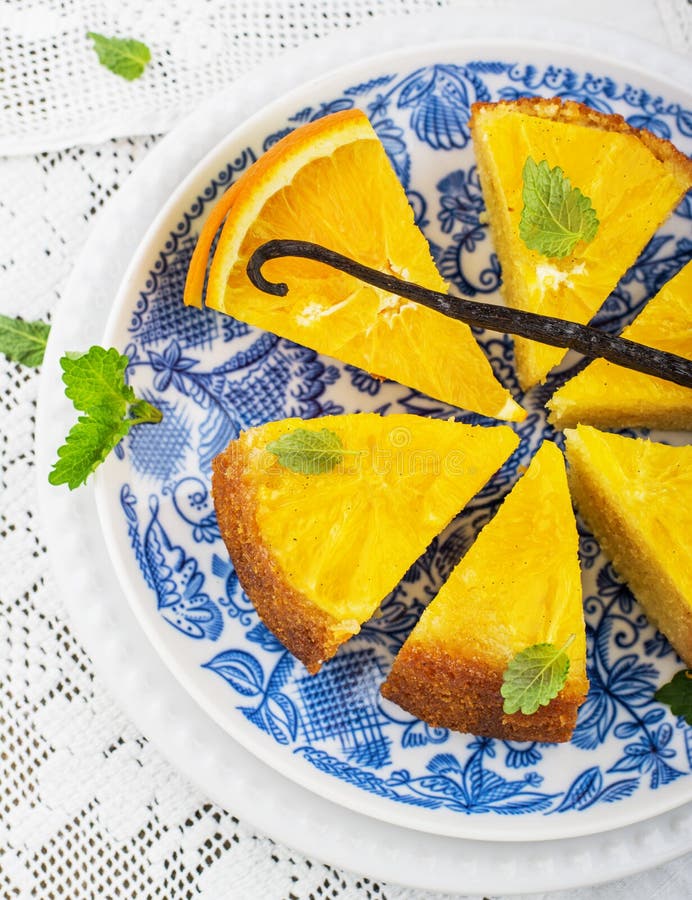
318	540
330	182
636	497
519	585
631	179
609	396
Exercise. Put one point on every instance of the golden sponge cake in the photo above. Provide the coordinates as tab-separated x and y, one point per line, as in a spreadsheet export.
519	585
632	178
636	497
317	552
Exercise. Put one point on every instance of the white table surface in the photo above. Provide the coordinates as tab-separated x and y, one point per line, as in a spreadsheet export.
88	806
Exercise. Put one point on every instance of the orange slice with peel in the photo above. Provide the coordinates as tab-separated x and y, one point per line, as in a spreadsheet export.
330	182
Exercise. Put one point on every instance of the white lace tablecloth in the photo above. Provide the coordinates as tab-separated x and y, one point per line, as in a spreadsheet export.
88	807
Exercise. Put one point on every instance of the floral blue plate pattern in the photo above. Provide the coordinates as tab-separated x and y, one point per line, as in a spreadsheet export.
213	376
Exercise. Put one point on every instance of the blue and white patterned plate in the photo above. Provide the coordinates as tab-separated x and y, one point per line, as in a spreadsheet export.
213	376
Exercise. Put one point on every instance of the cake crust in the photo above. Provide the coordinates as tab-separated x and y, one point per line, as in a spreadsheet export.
463	693
574	113
310	633
665	605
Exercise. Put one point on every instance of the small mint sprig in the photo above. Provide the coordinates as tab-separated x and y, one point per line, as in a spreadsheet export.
95	382
534	677
309	452
23	342
121	56
555	216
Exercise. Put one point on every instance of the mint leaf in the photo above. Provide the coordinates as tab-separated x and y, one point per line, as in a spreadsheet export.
122	56
23	342
677	694
555	216
86	447
535	677
95	382
309	452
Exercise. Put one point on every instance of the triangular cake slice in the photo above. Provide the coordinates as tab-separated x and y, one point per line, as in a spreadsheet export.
610	396
519	585
330	182
633	179
636	497
317	553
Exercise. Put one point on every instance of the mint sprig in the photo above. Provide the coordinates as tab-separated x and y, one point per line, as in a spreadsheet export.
121	56
23	342
95	382
535	677
309	452
555	216
677	694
